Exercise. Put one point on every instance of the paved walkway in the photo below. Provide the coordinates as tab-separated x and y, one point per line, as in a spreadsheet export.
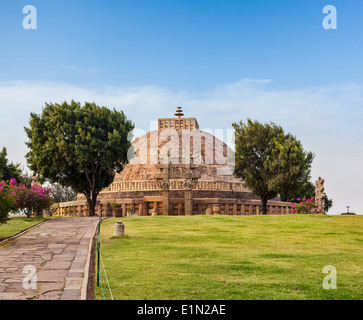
58	251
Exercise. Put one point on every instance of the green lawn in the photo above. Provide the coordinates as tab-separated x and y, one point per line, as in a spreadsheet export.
233	257
16	225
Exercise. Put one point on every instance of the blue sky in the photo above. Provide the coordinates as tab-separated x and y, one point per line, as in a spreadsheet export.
182	44
223	61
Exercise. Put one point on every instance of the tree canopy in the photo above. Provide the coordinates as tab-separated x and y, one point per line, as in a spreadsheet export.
77	146
9	170
270	161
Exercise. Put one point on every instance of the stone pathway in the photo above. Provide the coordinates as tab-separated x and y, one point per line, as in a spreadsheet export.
58	251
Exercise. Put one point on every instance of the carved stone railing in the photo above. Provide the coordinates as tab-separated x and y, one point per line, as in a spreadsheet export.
221	186
131	186
151	185
144	206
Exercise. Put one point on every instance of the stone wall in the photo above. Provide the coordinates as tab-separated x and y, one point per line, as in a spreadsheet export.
151	204
175	194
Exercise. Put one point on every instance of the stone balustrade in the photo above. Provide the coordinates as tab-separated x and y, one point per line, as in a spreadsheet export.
151	185
151	205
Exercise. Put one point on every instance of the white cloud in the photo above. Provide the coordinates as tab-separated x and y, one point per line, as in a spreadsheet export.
76	70
326	119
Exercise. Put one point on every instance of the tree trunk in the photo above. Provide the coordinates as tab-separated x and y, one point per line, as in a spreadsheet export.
92	194
264	205
91	201
28	213
92	211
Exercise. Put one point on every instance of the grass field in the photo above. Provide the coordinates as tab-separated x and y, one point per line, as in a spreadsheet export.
233	257
16	225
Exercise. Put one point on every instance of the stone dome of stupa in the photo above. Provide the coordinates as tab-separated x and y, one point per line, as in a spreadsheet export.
179	145
179	169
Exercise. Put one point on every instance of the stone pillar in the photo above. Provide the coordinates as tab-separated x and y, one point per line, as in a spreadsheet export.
216	208
163	183
200	209
188	207
140	209
180	209
235	209
250	209
155	209
124	209
320	195
119	229
118	211
209	210
166	202
144	209
108	210
243	209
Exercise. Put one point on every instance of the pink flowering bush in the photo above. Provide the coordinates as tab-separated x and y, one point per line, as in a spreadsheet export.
31	200
306	205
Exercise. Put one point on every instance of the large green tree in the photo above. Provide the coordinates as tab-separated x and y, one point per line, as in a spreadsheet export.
80	147
8	170
269	160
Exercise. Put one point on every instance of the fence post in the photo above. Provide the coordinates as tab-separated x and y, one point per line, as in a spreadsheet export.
98	249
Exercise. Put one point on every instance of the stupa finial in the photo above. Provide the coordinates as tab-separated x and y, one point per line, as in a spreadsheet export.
179	112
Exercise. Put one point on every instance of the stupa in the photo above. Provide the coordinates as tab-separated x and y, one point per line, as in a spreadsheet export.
180	170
